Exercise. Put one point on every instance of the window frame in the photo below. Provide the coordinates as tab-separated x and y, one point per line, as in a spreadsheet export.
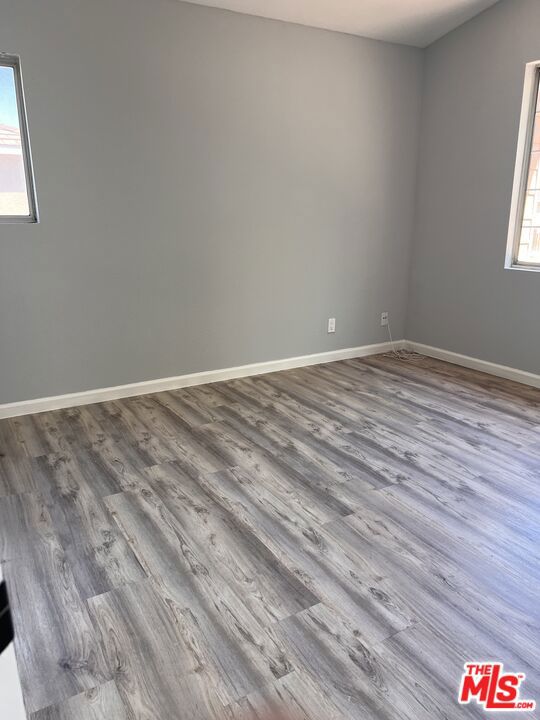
14	62
521	173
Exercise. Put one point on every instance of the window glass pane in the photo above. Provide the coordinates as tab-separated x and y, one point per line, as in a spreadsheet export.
529	245
13	192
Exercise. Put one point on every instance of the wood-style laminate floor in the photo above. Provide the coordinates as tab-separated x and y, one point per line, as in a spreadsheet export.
336	541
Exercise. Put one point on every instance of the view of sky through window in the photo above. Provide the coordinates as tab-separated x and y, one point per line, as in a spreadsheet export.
13	189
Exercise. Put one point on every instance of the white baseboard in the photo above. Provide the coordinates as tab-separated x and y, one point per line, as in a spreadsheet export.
503	371
28	407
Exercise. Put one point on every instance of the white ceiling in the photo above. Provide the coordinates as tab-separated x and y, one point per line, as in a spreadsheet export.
411	22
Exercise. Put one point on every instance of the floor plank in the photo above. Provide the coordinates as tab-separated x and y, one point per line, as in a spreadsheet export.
248	654
58	651
229	547
95	704
157	674
97	552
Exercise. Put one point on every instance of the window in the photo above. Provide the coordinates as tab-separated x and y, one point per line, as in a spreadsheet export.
17	197
523	250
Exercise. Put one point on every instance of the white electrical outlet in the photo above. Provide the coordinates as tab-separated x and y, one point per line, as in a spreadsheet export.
331	325
384	319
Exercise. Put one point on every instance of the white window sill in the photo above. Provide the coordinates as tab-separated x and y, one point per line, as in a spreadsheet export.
523	268
16	220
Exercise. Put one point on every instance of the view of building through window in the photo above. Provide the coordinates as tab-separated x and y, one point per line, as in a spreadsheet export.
529	244
13	187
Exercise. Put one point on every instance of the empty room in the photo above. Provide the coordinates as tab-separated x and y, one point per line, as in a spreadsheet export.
269	359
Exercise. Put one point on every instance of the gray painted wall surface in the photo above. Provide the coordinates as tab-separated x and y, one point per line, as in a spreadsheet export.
461	298
212	188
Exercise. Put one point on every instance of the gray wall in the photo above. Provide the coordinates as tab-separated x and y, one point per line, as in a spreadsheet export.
461	298
212	188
